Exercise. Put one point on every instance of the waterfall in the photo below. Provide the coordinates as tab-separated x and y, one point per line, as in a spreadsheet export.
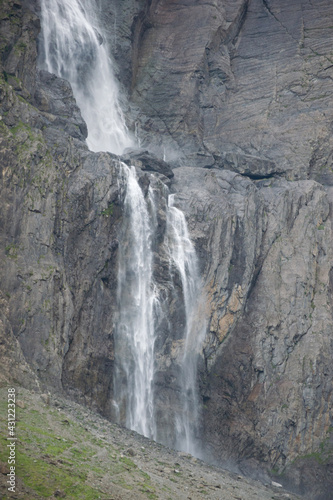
135	334
183	257
141	306
73	48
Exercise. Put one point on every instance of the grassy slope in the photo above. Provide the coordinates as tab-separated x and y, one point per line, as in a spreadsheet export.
66	451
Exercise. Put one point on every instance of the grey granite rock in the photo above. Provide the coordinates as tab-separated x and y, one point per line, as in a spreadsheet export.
247	78
54	98
147	162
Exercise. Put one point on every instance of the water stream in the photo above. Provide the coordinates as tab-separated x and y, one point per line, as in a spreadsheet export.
183	257
135	333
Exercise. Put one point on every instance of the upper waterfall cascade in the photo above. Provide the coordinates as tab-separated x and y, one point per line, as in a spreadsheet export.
73	48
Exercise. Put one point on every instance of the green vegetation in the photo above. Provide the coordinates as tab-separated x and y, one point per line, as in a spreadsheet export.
108	212
35	453
11	251
128	462
55	453
20	46
45	479
22	127
324	454
149	490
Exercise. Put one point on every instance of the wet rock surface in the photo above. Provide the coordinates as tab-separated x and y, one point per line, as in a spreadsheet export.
147	162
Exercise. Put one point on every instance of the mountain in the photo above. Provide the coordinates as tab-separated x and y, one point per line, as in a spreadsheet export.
231	106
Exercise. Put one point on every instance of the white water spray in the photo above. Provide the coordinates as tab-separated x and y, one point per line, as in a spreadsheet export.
137	300
73	48
183	257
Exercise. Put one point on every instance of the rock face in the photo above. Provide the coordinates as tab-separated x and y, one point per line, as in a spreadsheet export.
251	78
266	252
237	92
54	207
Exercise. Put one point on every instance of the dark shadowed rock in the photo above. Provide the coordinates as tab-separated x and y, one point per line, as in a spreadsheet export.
147	162
19	28
54	98
250	166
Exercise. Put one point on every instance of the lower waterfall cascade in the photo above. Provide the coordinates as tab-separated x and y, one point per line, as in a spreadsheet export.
141	308
136	301
184	259
73	48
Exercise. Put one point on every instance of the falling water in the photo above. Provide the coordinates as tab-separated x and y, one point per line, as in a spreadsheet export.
140	305
135	335
73	48
183	257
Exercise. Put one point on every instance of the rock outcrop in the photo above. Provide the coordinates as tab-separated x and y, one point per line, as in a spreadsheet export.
242	77
238	93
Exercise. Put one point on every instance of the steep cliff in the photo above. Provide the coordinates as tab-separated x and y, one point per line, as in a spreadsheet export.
238	94
246	86
266	373
248	78
56	234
